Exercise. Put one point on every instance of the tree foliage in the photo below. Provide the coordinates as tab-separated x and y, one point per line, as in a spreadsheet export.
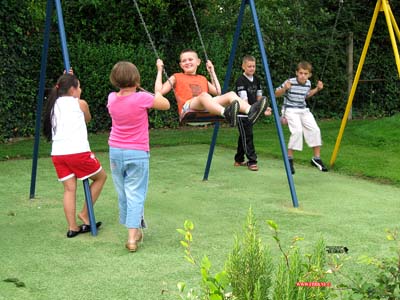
99	33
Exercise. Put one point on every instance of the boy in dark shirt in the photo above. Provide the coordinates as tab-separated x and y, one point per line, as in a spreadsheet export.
248	88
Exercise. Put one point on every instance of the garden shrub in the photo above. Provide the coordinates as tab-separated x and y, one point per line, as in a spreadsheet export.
250	272
292	31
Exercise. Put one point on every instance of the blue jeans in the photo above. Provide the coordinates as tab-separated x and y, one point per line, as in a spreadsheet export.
130	174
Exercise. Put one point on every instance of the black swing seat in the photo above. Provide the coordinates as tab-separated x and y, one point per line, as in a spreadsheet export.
199	116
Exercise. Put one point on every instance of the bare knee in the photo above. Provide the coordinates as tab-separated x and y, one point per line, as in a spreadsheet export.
232	96
100	177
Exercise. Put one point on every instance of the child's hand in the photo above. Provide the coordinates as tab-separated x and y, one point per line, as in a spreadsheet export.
287	85
209	66
320	85
268	112
69	72
160	65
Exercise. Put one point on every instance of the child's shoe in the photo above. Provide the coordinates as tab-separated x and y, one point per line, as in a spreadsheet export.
257	109
317	162
230	113
291	166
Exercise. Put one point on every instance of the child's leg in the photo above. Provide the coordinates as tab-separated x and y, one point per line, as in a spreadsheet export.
98	181
227	99
317	151
296	131
312	133
70	203
206	102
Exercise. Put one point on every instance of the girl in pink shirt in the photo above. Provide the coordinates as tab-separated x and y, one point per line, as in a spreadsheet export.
129	145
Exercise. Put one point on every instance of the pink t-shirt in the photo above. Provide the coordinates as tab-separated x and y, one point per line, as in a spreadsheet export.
130	122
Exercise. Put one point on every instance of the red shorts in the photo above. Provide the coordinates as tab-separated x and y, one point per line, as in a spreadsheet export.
82	165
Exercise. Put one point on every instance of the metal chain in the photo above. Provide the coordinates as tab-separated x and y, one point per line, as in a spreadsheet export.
151	40
331	39
201	41
329	48
198	30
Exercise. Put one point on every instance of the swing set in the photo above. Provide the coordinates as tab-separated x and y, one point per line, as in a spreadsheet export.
191	117
381	6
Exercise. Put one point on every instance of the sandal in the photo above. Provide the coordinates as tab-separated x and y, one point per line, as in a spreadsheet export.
131	246
86	227
240	164
252	167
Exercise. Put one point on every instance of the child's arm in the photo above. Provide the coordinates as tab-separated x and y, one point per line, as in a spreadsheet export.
319	87
160	102
214	87
282	90
85	108
158	85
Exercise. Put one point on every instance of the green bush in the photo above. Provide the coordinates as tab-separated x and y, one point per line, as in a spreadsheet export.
250	273
249	266
383	280
101	32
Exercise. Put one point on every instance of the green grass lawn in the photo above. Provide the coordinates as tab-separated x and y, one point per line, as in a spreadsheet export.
340	206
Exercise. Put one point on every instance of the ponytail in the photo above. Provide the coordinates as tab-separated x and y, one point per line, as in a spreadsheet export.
64	83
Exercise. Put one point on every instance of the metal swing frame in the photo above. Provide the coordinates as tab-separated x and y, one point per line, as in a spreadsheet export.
268	80
381	6
49	10
63	40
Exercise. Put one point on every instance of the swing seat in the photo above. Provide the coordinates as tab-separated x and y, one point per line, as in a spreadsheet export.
199	117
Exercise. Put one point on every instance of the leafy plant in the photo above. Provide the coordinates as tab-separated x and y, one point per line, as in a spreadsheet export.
386	283
214	287
300	276
250	265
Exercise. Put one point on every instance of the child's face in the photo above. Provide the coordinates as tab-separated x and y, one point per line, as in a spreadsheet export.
302	75
189	62
249	67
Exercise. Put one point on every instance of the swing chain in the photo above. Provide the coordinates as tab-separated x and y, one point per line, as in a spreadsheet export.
201	41
151	40
198	29
329	47
331	39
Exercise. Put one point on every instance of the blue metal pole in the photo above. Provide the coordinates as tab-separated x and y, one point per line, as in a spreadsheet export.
43	64
225	87
273	101
63	38
89	204
86	187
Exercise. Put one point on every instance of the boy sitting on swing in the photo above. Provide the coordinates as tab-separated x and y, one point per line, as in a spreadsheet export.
194	92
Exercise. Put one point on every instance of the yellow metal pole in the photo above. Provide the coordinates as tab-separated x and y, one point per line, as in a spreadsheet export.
355	82
396	28
385	6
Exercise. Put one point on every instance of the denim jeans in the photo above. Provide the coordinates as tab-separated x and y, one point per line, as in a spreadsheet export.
130	174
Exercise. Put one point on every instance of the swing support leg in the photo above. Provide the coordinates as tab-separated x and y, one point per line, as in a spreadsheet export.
381	5
271	92
89	204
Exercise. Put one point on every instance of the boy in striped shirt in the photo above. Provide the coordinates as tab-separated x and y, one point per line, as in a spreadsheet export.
295	92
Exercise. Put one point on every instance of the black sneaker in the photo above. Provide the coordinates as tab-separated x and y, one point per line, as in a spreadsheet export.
231	112
257	109
317	162
291	166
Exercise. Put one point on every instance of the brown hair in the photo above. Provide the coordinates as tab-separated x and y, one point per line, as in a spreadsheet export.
247	58
187	50
305	65
125	74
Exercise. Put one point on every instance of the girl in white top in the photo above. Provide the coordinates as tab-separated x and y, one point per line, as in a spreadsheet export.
64	124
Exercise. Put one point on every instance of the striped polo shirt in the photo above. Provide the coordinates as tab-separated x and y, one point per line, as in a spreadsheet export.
295	97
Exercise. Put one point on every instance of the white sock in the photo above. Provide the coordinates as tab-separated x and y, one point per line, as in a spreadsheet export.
247	110
223	112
